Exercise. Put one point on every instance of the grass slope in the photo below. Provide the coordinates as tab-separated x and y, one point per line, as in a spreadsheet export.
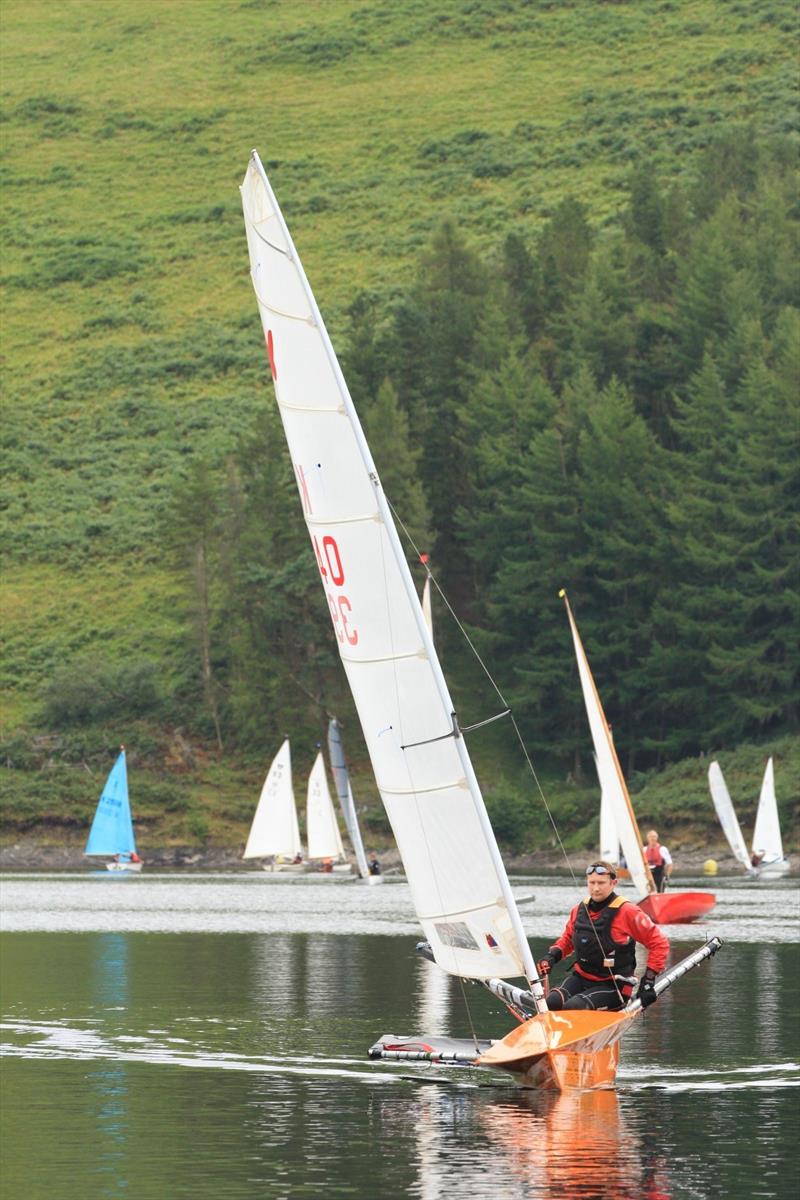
130	337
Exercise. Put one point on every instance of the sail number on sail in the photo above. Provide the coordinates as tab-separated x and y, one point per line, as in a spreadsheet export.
330	566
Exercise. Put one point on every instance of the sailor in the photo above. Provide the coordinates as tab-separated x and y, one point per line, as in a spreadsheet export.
659	861
603	931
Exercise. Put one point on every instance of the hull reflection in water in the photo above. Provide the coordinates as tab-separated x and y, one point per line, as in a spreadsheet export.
574	1144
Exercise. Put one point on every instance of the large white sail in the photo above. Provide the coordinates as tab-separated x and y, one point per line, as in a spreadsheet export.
341	778
767	842
274	831
727	816
422	768
322	831
612	782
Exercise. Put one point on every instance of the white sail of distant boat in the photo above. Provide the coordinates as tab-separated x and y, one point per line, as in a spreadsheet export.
609	838
612	782
341	779
456	875
677	907
727	816
274	832
767	841
424	774
322	829
112	827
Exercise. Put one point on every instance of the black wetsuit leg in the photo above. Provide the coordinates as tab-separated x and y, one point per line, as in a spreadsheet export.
576	992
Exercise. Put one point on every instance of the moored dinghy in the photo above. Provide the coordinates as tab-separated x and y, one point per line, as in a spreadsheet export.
456	875
112	827
673	908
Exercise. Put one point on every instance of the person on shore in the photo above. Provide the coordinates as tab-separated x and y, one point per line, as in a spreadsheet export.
374	866
659	860
603	931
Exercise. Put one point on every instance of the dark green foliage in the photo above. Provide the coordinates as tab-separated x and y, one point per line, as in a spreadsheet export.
89	688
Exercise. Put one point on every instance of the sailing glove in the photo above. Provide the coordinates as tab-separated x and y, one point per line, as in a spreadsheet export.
647	992
546	964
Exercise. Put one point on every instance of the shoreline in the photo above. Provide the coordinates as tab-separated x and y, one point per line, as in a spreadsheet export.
32	856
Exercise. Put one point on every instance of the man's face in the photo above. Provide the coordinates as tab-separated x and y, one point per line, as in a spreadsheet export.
652	838
600	886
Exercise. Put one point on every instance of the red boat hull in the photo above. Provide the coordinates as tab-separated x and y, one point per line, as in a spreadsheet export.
677	908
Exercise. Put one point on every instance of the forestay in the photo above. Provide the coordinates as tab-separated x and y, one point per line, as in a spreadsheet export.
275	831
767	840
341	779
727	815
112	827
322	831
457	879
612	782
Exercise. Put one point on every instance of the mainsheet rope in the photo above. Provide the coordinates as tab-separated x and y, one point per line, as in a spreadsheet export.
509	711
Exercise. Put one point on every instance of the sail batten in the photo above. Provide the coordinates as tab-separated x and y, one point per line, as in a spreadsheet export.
449	852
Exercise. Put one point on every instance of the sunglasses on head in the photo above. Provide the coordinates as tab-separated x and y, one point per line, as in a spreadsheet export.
599	869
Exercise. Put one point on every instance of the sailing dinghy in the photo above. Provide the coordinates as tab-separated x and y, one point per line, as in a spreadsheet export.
766	859
672	908
767	842
322	830
112	827
423	770
341	778
275	834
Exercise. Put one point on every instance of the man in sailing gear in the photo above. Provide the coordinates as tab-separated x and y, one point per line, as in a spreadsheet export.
603	931
659	861
647	991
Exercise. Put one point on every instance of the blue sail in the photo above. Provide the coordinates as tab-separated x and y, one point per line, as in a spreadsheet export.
112	828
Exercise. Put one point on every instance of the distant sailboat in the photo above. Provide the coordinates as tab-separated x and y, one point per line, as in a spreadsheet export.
672	908
766	860
727	817
322	829
767	843
341	778
274	833
112	827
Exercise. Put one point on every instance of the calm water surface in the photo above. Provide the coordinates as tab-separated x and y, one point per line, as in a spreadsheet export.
205	1036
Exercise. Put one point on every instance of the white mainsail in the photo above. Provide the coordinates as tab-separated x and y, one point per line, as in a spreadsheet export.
767	842
458	882
727	815
274	831
322	831
609	838
612	781
341	778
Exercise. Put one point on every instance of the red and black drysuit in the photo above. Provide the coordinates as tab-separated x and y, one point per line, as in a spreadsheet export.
603	935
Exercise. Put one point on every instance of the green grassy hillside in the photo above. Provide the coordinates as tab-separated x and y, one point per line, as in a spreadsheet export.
130	338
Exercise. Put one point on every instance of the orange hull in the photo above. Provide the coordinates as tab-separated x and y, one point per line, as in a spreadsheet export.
677	908
562	1050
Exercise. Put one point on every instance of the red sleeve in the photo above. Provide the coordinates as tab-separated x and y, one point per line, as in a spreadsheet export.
564	943
631	921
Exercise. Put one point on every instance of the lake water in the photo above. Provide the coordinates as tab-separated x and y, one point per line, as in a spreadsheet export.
205	1036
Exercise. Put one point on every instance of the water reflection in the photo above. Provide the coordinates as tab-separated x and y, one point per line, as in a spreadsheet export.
108	1079
574	1144
434	999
